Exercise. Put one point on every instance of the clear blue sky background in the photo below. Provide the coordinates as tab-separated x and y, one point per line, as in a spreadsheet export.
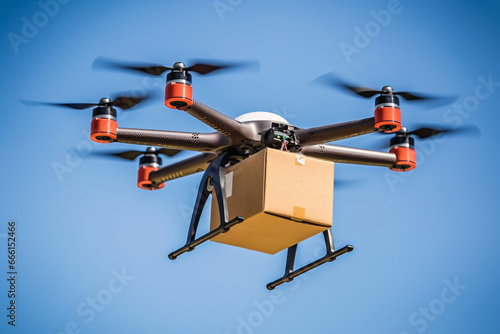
414	234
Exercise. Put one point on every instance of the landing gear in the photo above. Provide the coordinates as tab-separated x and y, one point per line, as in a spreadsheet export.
331	254
214	178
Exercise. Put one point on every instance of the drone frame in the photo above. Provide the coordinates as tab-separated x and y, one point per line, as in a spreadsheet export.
235	141
233	134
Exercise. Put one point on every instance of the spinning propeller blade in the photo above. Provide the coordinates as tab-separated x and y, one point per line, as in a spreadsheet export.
427	132
106	63
341	183
123	102
331	80
132	154
127	102
201	67
78	106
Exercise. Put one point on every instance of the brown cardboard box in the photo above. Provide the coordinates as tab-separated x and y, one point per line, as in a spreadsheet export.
284	198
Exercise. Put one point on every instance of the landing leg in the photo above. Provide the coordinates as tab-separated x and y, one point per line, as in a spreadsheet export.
214	178
331	255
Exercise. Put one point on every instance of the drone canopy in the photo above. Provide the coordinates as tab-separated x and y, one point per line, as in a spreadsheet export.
261	116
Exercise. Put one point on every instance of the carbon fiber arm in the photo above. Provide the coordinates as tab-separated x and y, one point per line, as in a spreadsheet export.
350	155
328	133
172	139
218	121
182	168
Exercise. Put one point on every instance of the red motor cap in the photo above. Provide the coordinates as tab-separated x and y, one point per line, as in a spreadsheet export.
388	119
405	158
387	112
143	178
103	130
178	95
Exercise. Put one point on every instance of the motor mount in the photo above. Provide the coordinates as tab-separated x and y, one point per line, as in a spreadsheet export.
149	162
403	145
387	111
179	90
104	125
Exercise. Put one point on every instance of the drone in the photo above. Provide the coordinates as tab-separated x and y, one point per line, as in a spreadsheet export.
235	140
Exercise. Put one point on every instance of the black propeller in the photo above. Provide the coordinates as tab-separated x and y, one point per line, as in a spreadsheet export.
200	67
332	80
342	183
425	131
123	102
132	155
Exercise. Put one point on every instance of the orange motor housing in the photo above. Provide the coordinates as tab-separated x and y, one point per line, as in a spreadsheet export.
405	159
178	95
178	92
148	163
403	146
388	119
387	113
103	130
103	127
143	178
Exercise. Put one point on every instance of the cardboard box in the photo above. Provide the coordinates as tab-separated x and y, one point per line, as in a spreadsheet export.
284	197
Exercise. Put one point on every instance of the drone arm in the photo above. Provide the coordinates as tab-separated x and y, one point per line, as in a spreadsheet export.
218	121
350	155
182	168
333	132
172	139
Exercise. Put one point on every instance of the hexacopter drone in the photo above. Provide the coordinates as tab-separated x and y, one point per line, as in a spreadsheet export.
237	139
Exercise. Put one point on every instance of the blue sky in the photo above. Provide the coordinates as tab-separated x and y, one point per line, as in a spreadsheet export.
426	256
